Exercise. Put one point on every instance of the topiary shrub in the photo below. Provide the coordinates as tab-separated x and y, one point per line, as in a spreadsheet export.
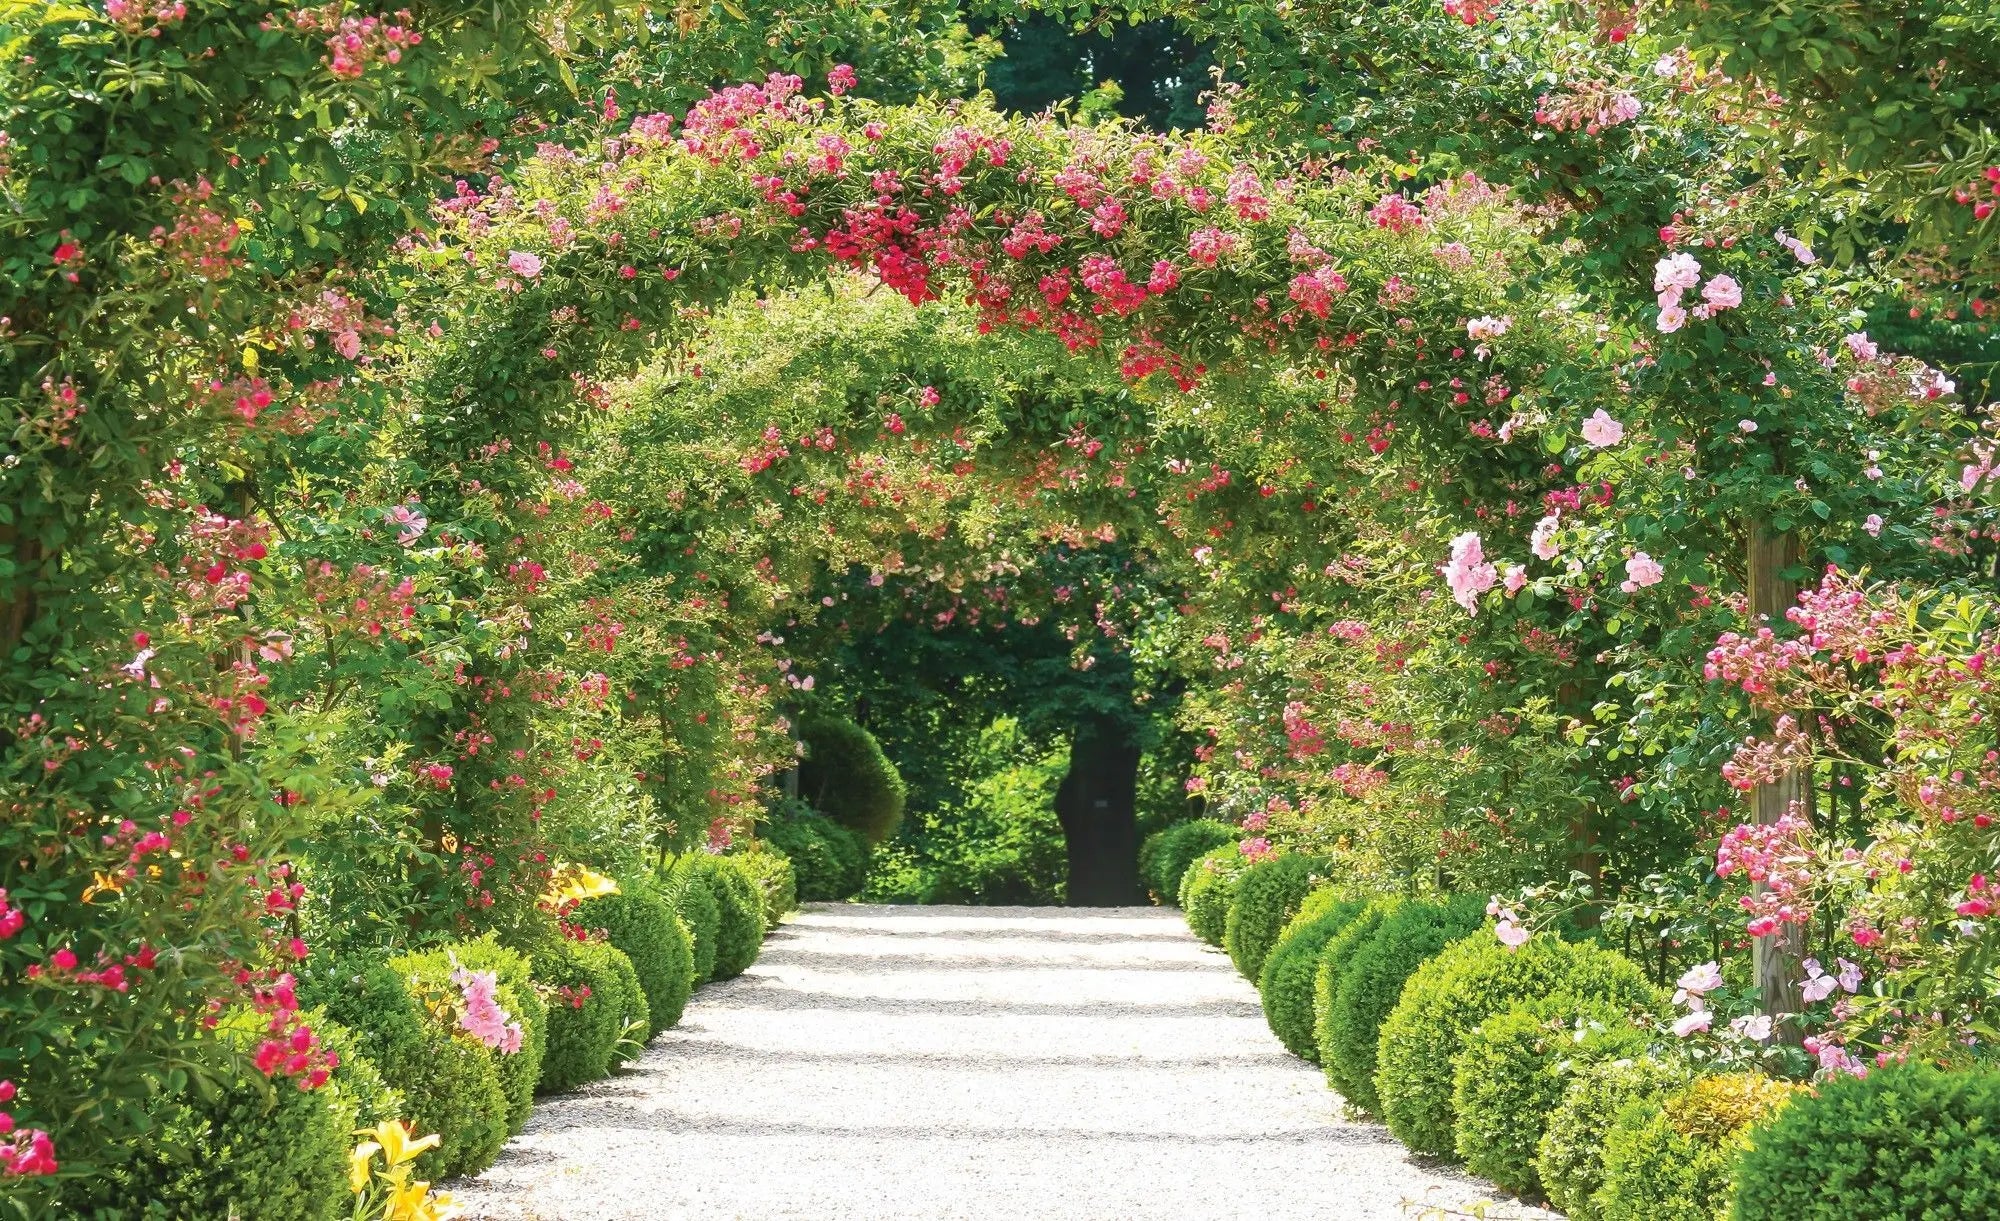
1409	934
638	920
635	1021
587	1007
1447	998
1512	1072
1206	891
692	896
427	975
252	1147
845	776
1569	1161
740	913
360	1086
1905	1143
1671	1159
450	1084
1266	899
1330	966
1286	985
1166	854
777	884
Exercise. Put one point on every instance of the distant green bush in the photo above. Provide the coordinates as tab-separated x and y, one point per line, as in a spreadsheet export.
1207	889
777	884
1266	899
845	776
1165	855
1908	1142
1409	934
1286	985
1447	998
829	861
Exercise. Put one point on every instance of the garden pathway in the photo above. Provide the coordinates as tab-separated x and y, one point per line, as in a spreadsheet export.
889	1063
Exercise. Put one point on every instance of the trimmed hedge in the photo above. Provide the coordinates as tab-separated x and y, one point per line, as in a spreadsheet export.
1290	970
777	883
450	1084
692	896
1166	854
427	973
1511	1074
587	1010
739	905
829	861
639	921
1207	888
1447	998
1409	934
1671	1159
845	776
1570	1158
1905	1143
1266	899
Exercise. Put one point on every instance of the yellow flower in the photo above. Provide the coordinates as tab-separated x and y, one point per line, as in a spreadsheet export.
360	1166
416	1203
573	884
396	1143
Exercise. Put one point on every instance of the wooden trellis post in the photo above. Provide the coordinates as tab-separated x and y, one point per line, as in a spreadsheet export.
1777	958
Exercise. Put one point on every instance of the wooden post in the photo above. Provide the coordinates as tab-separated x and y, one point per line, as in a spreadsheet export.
1777	959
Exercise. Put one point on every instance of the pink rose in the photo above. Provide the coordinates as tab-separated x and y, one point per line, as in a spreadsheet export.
1600	431
521	263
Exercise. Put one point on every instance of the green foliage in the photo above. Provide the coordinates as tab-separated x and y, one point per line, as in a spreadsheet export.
845	776
449	1082
1267	897
357	1086
629	1005
1672	1159
639	921
739	930
427	976
1166	854
1512	1073
691	893
588	1007
1908	1142
777	883
1408	935
1447	998
1207	889
1287	981
831	862
1569	1161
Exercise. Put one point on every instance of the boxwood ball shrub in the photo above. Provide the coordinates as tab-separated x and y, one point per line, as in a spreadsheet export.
1330	966
829	861
691	894
587	1006
845	776
428	976
1569	1161
634	1020
1447	998
638	920
1409	935
1207	889
777	883
449	1083
250	1149
739	931
1165	856
362	1089
1672	1159
1286	985
1510	1077
1908	1142
1266	899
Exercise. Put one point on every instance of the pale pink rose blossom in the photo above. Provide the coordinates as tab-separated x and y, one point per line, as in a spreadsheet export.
521	263
1600	431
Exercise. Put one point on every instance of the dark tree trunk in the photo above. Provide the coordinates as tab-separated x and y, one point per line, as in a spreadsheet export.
1095	804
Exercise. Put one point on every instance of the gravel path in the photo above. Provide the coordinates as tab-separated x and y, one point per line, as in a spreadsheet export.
1023	1063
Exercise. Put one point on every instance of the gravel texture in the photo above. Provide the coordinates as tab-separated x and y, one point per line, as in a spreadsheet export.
1007	1063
